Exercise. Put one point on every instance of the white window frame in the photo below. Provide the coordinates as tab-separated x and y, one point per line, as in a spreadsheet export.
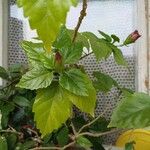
142	47
3	33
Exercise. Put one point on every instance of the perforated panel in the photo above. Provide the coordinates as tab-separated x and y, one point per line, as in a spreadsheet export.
125	78
15	53
12	2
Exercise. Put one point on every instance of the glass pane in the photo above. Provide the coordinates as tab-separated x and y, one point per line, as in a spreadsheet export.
110	16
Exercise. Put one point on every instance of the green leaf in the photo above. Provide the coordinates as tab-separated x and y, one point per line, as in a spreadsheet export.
80	38
21	101
126	92
115	38
106	36
104	82
84	142
119	58
99	46
46	139
130	146
6	110
19	115
36	78
132	112
63	136
99	126
85	103
75	81
36	54
3	73
49	107
72	53
46	17
11	140
96	142
63	38
3	143
78	121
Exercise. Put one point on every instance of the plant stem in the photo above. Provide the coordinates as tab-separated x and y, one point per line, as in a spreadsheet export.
86	55
46	148
93	121
98	134
69	145
11	83
73	128
54	148
10	131
82	15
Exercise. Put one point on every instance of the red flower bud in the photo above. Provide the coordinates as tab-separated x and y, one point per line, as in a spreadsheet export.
58	57
132	38
58	62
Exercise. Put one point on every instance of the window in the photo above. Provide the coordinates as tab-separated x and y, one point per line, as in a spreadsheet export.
112	16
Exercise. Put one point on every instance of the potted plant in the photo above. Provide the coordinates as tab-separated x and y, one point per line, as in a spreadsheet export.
57	83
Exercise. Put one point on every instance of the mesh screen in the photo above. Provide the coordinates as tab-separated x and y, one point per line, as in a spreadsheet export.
124	77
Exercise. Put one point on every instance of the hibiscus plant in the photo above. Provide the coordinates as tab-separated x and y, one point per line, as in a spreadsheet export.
56	83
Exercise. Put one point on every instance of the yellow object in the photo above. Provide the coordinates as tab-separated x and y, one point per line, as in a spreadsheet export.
140	136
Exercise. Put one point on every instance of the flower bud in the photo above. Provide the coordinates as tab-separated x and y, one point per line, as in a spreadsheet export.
58	62
58	58
132	38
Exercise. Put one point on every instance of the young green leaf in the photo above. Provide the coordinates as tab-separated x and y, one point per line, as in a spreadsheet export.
72	53
120	60
36	78
63	38
80	38
104	82
49	107
21	101
36	54
46	17
84	142
75	81
115	38
106	36
99	46
132	112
